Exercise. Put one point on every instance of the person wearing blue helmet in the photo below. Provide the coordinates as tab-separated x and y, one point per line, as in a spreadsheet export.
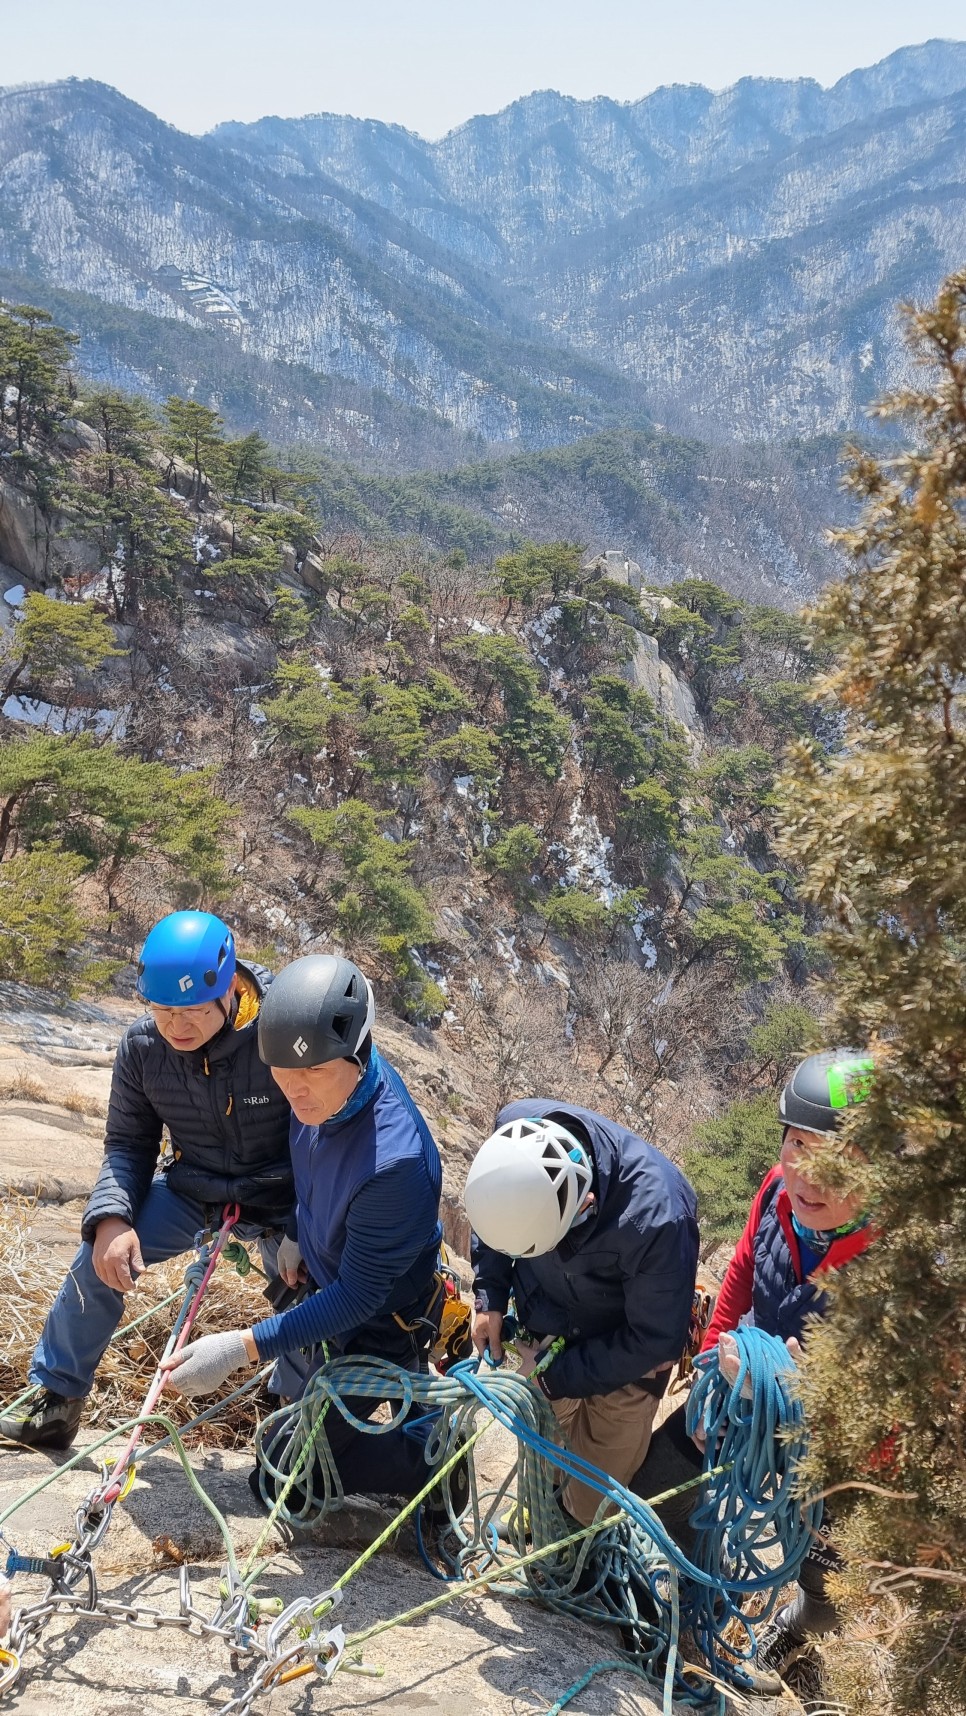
191	1066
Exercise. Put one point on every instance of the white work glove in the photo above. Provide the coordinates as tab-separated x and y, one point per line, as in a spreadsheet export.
288	1262
204	1365
729	1364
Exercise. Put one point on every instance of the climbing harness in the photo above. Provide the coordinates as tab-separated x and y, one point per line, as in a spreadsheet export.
624	1569
702	1306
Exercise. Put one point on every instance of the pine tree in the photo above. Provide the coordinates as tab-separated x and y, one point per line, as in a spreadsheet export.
196	434
143	536
125	423
42	927
880	827
34	354
110	809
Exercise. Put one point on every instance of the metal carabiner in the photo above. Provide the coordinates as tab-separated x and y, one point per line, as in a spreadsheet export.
9	1670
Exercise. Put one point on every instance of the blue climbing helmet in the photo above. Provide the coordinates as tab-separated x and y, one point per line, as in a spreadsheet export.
188	959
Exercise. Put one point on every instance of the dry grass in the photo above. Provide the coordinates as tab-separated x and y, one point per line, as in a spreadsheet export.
24	1087
82	1102
28	1285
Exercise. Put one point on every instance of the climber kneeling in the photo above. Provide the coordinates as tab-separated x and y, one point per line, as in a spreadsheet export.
366	1233
798	1230
191	1066
594	1233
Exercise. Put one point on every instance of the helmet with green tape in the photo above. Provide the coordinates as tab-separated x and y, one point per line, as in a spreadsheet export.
823	1089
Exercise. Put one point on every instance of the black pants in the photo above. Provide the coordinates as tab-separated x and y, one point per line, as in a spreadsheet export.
672	1459
392	1463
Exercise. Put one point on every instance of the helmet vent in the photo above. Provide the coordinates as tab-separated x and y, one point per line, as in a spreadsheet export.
211	978
341	1026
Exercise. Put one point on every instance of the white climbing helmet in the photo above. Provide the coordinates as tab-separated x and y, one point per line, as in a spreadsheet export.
526	1185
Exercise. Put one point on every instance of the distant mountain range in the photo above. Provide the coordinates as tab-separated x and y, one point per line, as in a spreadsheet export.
725	264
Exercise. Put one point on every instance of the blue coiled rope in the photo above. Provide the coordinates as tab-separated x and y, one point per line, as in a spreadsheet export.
752	1511
632	1573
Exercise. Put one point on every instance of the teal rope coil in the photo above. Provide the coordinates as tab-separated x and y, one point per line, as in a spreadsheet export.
631	1574
741	1520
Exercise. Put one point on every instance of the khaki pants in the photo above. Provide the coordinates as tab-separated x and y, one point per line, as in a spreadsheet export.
612	1431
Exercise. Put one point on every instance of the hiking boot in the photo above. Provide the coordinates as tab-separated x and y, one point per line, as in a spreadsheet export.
780	1643
512	1526
48	1420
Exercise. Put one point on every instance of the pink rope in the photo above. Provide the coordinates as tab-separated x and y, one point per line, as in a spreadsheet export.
230	1216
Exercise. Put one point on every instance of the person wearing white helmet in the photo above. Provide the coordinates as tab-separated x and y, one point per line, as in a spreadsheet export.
595	1235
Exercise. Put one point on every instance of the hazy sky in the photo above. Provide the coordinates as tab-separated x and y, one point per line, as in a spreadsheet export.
430	64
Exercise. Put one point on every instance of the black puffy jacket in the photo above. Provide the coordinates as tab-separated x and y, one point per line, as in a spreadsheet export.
619	1287
227	1120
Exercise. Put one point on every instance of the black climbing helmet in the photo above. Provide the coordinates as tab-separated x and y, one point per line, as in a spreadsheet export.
823	1088
319	1009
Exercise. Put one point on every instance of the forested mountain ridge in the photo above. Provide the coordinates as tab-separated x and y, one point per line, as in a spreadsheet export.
753	519
533	799
728	263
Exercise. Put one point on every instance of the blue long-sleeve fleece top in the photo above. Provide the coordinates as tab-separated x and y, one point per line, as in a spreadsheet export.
368	1183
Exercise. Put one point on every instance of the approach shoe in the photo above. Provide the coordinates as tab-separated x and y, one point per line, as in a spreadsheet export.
47	1420
781	1645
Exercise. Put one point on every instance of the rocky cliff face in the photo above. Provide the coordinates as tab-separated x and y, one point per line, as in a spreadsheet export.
730	261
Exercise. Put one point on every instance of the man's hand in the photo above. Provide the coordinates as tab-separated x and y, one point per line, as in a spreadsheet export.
487	1332
289	1263
116	1254
529	1356
205	1364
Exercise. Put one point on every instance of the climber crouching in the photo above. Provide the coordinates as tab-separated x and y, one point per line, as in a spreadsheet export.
594	1233
366	1234
190	1066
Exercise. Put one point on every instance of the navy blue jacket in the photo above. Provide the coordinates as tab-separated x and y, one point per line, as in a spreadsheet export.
368	1183
619	1287
227	1121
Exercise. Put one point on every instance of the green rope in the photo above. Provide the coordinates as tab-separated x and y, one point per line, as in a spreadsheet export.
618	1665
464	1587
92	1447
438	1473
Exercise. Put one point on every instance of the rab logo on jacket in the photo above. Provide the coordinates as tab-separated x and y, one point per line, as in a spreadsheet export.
255	1101
300	1046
